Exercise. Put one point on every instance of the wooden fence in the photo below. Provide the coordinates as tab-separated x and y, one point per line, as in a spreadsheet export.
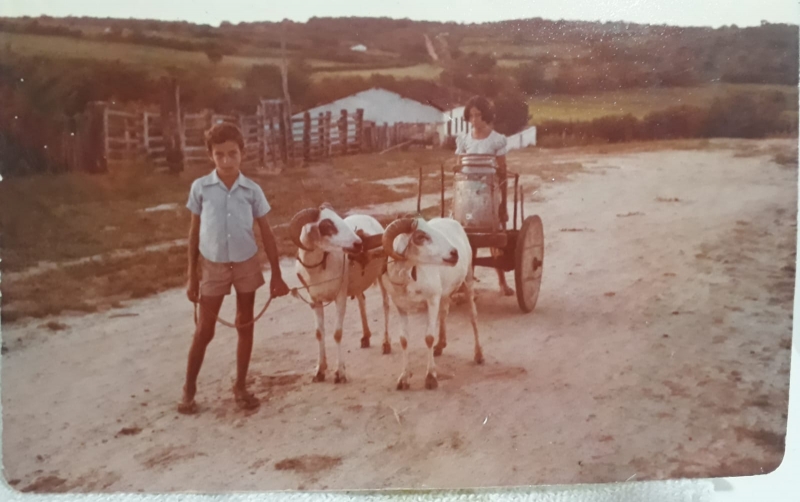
107	136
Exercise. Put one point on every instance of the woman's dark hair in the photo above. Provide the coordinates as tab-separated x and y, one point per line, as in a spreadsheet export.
483	105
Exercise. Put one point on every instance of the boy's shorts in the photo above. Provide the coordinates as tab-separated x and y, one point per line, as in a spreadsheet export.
217	278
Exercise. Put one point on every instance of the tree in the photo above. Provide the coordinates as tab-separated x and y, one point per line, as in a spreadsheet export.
214	54
530	78
511	114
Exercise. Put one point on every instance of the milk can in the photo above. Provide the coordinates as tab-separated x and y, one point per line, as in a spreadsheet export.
476	196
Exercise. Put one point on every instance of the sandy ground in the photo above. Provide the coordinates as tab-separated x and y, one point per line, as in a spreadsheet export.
659	348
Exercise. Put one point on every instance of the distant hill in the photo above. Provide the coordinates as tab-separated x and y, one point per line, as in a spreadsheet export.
762	54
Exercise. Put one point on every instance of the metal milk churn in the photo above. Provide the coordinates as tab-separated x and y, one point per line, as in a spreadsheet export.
476	196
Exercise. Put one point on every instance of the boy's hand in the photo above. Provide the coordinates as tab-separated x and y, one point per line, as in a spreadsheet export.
277	287
193	289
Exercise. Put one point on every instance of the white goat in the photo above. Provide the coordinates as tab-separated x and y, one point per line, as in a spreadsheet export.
428	262
331	264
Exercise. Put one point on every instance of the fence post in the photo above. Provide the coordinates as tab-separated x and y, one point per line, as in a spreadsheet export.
273	144
328	142
240	118
343	132
359	139
284	134
367	144
306	136
105	131
146	132
94	147
262	157
127	135
321	134
172	126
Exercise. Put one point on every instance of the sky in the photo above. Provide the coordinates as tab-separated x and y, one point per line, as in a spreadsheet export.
712	13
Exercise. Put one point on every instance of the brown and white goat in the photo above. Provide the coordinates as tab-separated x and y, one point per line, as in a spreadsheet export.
326	245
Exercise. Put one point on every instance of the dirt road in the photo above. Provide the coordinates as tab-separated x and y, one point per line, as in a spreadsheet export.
659	348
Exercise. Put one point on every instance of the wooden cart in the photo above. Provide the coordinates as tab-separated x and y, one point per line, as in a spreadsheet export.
478	194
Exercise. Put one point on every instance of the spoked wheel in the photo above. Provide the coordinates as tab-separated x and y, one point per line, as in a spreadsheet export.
529	262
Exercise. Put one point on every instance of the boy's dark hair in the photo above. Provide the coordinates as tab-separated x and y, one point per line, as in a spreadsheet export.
222	132
483	105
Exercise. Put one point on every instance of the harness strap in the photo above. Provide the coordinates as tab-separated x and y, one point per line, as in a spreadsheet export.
323	263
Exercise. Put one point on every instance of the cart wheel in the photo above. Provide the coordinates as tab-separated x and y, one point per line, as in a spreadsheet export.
529	262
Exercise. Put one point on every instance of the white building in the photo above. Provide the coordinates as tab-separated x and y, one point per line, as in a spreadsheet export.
359	48
382	106
386	107
522	139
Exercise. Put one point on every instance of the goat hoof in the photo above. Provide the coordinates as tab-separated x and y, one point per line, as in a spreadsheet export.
507	291
437	350
340	378
319	377
431	382
365	342
403	385
387	348
479	357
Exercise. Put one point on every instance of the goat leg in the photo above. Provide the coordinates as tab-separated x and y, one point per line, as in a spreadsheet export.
341	307
433	316
322	363
362	307
387	343
402	382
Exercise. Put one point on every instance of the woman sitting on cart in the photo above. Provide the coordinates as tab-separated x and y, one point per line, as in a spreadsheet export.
483	140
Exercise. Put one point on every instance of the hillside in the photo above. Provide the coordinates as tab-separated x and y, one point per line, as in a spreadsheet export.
763	54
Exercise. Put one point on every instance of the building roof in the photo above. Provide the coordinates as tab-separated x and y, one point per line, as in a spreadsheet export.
440	97
382	106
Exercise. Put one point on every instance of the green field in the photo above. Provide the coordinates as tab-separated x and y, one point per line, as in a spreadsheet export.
640	102
134	54
420	71
157	59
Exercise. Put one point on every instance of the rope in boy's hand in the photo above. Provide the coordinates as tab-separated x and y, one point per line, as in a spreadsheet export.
236	326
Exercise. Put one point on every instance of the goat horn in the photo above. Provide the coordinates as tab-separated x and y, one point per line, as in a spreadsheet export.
397	227
298	222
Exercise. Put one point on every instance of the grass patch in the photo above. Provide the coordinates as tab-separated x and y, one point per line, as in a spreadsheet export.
64	217
56	326
93	286
640	102
786	159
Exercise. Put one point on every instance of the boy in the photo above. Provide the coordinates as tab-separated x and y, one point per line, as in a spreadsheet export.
224	205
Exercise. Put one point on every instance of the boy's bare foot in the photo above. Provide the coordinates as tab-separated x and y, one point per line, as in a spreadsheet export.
187	406
245	400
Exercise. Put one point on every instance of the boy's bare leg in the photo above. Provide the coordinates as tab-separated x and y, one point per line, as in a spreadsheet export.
204	332
244	314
